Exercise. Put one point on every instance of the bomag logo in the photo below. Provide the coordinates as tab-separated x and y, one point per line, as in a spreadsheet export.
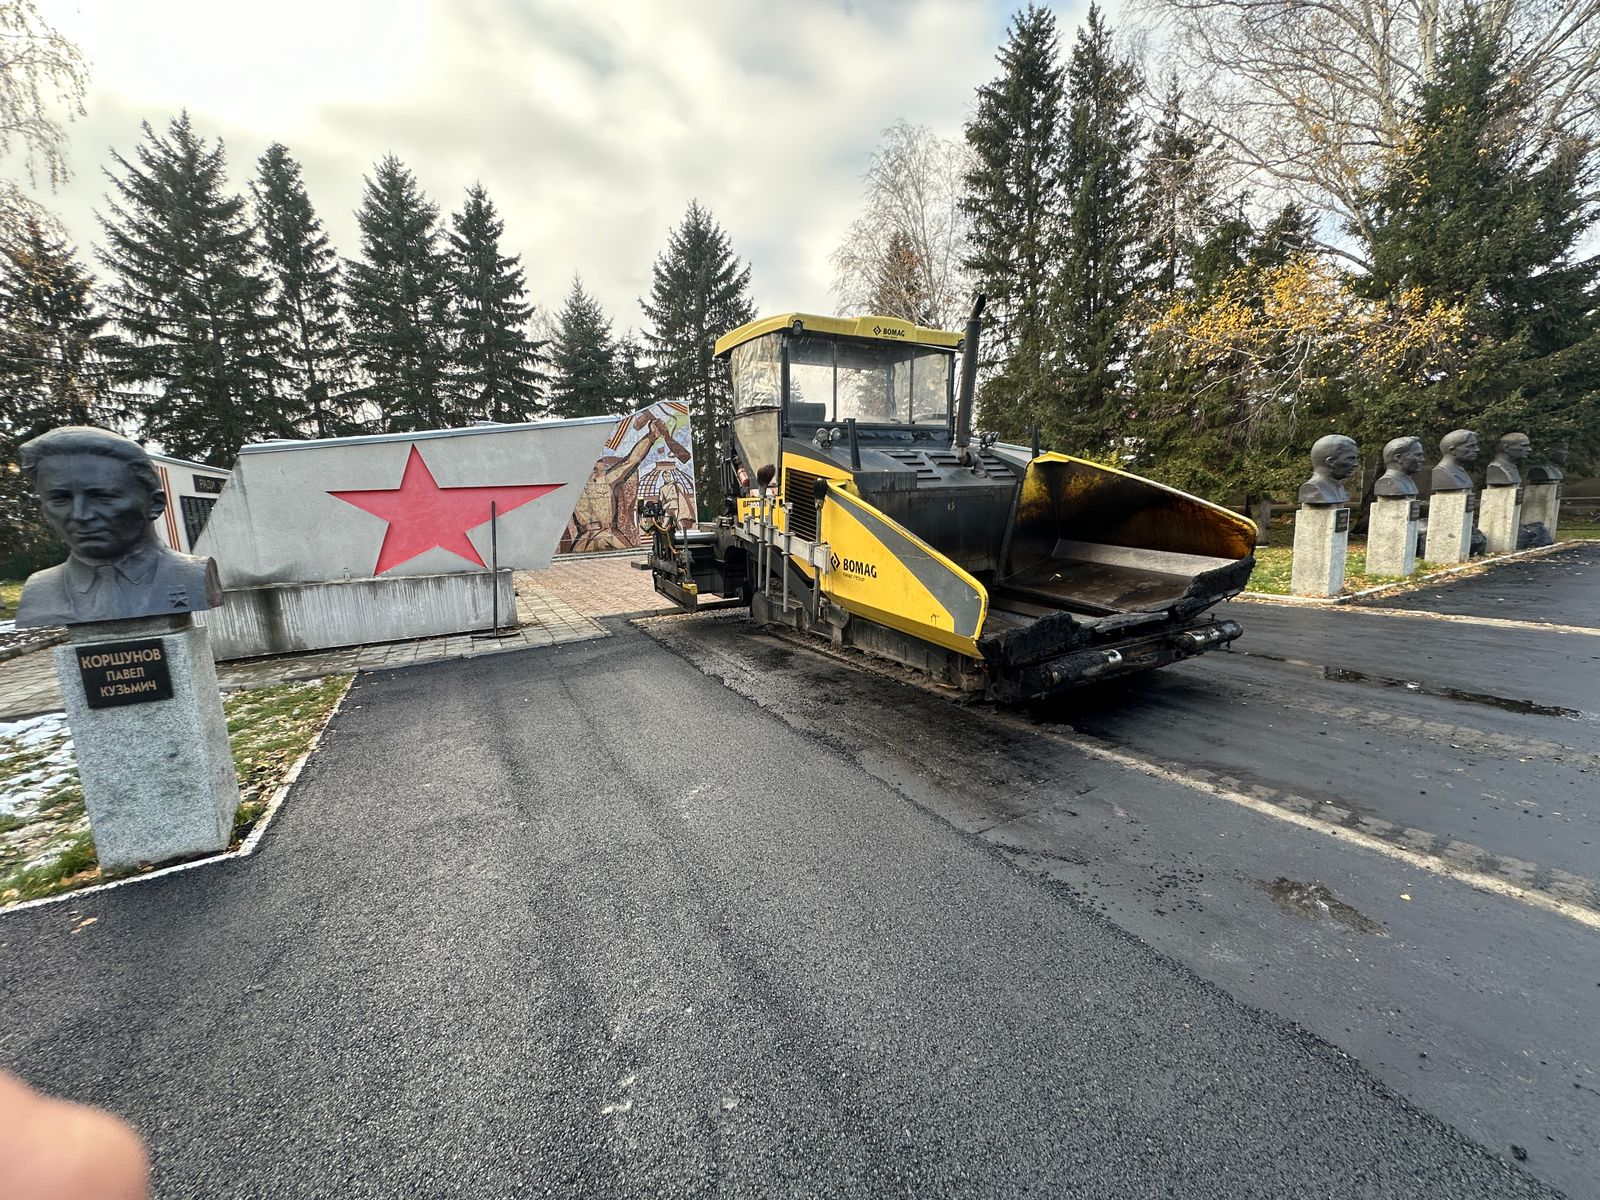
890	331
861	570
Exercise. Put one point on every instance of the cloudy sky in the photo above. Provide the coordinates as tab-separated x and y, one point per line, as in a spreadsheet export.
591	122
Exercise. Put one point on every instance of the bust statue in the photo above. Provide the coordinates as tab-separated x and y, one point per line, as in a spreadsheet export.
1457	451
1550	472
1402	458
1334	459
1508	452
100	492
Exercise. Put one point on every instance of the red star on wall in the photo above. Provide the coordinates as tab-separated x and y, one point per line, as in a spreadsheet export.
422	515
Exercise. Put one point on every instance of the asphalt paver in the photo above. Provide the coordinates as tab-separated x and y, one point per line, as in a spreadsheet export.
588	921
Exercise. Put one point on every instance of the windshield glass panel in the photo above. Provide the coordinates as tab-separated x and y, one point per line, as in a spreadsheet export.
876	383
754	366
810	379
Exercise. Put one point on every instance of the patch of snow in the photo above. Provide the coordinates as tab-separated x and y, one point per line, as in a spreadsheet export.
31	731
23	792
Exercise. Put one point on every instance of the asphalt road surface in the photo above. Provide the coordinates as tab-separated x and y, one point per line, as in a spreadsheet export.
696	910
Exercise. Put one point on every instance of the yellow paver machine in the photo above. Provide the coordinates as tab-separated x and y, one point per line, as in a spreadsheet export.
861	508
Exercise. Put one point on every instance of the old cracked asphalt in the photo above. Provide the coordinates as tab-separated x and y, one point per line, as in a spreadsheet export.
701	913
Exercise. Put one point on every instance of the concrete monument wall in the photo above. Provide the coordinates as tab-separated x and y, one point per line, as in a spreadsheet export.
400	504
405	515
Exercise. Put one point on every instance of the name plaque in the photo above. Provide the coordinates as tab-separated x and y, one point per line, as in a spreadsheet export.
118	673
1341	520
1519	493
1472	501
1416	510
208	485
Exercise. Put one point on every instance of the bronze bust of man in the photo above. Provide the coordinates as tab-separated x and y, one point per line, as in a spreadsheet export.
1550	471
99	491
1457	451
1333	460
1402	458
1508	452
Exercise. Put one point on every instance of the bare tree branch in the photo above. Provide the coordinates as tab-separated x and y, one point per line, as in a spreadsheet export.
41	73
1312	95
903	255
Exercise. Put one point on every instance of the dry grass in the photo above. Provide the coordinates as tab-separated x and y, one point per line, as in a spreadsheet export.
45	843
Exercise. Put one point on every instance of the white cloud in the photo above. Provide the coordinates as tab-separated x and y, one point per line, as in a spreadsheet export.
591	124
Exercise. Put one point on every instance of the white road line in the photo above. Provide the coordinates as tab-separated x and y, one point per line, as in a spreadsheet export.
1426	862
1478	880
1489	622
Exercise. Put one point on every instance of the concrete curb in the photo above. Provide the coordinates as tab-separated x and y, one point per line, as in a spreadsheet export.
246	847
55	639
1449	574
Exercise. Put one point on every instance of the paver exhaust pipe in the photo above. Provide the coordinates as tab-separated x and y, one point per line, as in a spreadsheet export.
969	381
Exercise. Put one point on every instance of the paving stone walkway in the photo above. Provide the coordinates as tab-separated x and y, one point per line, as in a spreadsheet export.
553	606
604	585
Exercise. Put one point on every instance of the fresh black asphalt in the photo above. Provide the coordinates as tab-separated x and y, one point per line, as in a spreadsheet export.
586	922
1482	1008
1562	588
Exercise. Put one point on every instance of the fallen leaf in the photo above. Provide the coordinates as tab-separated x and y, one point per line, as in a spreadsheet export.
1405	895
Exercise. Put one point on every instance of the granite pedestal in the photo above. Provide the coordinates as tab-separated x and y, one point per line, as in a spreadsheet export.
1541	503
152	744
1500	518
1392	535
1450	526
1321	537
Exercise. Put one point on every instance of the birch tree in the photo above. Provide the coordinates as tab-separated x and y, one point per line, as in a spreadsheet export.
904	255
43	77
1313	95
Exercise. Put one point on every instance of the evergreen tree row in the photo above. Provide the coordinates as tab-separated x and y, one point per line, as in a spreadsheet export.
1145	314
223	320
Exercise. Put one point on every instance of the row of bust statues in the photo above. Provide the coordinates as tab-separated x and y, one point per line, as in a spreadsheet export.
1334	459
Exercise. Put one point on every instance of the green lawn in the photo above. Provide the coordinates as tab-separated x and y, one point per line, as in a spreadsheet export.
45	845
10	591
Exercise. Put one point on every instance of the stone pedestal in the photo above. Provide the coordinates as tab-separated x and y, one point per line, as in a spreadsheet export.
1321	535
1392	535
1501	518
1541	502
1450	526
152	745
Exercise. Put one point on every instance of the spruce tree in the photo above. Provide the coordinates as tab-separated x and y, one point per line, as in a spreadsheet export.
636	378
1015	201
584	359
397	297
188	294
497	363
303	271
1177	198
699	291
52	372
1099	262
1467	213
53	342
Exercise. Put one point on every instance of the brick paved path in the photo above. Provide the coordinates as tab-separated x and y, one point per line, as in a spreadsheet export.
601	586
